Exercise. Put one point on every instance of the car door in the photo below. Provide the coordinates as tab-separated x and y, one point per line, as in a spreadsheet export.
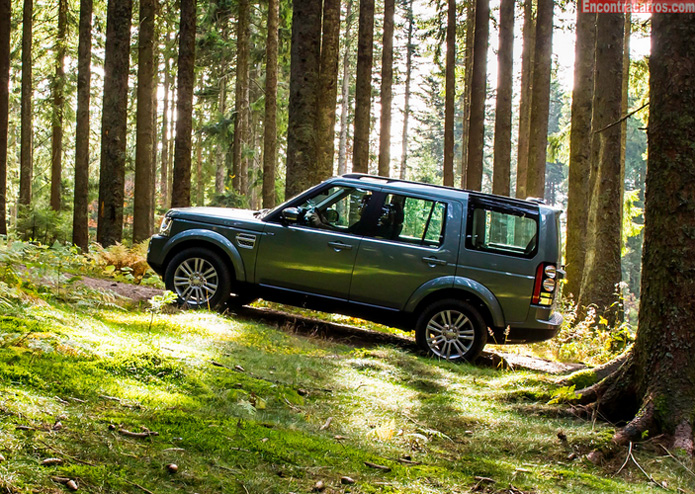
416	240
316	256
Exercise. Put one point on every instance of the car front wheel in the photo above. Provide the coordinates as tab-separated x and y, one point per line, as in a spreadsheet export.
199	278
452	330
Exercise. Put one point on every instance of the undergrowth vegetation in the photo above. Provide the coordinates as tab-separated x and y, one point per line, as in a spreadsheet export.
125	400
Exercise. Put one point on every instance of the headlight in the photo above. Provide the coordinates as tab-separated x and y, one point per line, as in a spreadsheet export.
550	271
165	227
549	284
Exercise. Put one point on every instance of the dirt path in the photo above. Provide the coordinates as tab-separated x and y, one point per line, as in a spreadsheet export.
317	328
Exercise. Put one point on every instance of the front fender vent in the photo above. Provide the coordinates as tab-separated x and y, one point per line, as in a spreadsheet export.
246	240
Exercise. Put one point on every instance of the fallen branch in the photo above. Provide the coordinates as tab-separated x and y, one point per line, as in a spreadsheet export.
139	486
377	467
139	435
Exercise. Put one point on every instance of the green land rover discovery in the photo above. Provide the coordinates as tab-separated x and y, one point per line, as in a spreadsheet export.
461	268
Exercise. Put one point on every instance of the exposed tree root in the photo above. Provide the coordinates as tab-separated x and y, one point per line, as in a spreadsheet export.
587	377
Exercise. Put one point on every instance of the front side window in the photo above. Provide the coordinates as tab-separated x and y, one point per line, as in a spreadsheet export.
337	208
505	230
412	220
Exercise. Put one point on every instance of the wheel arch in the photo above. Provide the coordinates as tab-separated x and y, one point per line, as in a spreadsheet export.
209	240
462	289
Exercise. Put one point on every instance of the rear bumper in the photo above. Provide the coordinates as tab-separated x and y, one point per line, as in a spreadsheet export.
542	324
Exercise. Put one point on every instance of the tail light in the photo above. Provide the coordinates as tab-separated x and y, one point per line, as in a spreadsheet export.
546	284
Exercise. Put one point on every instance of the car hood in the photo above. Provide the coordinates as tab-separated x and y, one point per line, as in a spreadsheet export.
225	216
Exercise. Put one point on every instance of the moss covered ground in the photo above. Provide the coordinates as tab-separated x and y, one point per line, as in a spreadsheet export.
117	394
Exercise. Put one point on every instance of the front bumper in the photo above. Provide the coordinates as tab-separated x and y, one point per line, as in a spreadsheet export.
542	324
155	253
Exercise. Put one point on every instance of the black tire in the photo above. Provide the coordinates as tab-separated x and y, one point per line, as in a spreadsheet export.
199	278
452	330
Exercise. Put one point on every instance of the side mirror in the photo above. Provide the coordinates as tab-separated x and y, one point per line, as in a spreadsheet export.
290	215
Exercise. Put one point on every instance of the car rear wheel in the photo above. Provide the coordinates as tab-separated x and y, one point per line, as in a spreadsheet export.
451	329
199	278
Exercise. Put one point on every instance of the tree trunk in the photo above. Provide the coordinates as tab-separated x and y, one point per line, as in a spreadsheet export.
241	102
144	180
450	95
58	107
540	100
328	90
164	166
114	122
503	104
655	386
408	73
468	80
26	160
5	17
80	224
386	90
625	88
602	264
527	51
580	151
304	75
270	138
363	92
181	184
221	154
345	94
476	134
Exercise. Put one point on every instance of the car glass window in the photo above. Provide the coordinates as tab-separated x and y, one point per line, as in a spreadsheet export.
412	220
338	208
503	231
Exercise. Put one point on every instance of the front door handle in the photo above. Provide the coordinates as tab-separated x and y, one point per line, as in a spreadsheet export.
433	261
338	246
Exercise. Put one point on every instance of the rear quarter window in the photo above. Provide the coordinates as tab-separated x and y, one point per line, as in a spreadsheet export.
502	228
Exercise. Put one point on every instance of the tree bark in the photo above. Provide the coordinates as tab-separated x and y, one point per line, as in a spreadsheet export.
5	17
241	104
26	160
114	122
625	89
345	93
408	74
602	270
58	107
476	134
144	179
503	104
386	90
80	224
363	93
580	151
527	52
304	74
450	95
655	386
270	138
328	90
181	183
164	165
540	100
468	82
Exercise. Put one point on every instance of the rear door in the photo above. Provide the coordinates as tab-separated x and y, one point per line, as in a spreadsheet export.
416	240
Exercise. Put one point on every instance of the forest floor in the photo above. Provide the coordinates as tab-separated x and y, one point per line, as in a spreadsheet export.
98	390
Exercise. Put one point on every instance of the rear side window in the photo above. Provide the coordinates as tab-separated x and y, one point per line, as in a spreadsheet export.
502	228
412	220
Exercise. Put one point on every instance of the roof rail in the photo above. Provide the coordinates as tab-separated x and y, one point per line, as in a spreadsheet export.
359	176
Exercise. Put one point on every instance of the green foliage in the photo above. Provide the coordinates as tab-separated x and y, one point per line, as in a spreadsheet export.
565	394
41	224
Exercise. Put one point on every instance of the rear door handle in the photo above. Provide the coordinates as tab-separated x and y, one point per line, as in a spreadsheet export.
433	261
338	246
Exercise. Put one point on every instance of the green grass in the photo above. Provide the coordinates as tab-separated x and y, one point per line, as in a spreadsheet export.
243	407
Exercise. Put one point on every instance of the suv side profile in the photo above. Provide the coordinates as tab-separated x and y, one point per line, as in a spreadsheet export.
458	267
